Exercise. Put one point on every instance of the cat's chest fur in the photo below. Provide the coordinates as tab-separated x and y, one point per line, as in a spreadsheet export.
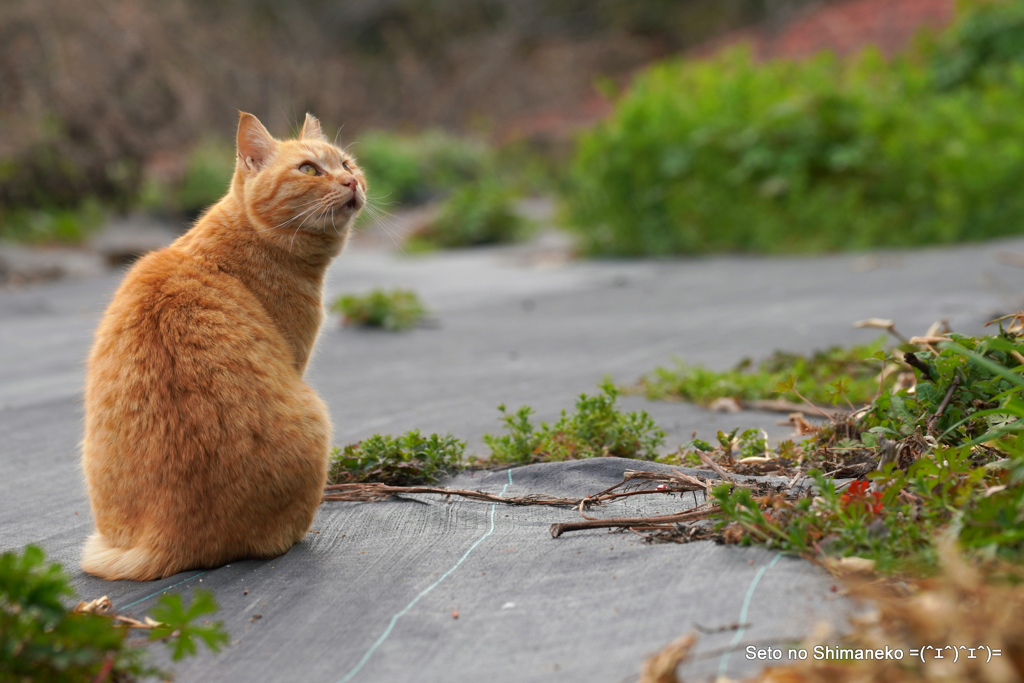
287	282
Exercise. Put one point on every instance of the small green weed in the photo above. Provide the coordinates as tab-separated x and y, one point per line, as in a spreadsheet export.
597	428
395	310
398	461
824	376
40	639
474	215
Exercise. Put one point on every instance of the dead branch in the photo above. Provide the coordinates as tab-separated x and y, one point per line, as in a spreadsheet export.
782	406
628	522
915	362
371	491
706	459
945	403
675	482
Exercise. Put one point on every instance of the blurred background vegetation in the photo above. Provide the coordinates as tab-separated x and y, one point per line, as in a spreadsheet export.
654	132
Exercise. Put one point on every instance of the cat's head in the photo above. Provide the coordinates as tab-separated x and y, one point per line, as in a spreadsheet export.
288	186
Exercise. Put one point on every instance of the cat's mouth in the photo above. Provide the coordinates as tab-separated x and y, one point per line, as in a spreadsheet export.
353	203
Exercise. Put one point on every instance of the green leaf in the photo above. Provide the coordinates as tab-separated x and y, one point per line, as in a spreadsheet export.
176	624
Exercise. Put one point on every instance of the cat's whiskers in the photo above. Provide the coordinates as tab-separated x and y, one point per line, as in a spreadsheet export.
324	204
386	220
293	218
319	205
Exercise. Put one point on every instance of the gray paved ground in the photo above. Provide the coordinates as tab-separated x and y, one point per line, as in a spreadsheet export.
369	596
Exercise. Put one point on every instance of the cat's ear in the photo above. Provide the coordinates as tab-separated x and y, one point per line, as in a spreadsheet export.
254	144
311	129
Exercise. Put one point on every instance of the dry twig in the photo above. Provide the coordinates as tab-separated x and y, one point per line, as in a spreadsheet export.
656	521
674	482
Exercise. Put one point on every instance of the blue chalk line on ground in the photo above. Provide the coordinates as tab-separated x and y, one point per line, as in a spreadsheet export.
394	619
724	662
173	585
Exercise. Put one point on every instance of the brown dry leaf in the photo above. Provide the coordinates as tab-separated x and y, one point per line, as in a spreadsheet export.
97	606
962	606
878	323
925	341
850	565
661	666
939	328
800	424
733	533
726	404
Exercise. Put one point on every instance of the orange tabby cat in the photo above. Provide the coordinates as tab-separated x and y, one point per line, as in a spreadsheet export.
203	444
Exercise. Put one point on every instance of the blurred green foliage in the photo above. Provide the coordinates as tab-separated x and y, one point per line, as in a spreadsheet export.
49	225
727	154
820	377
206	178
394	310
980	46
476	214
403	169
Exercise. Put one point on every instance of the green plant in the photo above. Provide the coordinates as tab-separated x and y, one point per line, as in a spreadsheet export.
983	382
597	428
50	225
980	44
209	166
823	376
944	459
207	176
728	154
42	640
175	622
475	214
897	522
398	309
399	461
414	168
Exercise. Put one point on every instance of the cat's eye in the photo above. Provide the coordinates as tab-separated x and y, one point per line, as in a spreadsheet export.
309	169
345	166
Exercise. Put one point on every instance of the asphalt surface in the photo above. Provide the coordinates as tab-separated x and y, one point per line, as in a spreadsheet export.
370	595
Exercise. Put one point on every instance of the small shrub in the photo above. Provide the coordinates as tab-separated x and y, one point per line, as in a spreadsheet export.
980	44
51	225
207	177
822	377
398	461
730	155
474	215
596	429
398	309
205	180
404	169
42	640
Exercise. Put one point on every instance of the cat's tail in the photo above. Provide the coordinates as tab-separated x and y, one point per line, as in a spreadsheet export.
106	561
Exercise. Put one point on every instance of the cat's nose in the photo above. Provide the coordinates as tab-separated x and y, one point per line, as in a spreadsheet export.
351	183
